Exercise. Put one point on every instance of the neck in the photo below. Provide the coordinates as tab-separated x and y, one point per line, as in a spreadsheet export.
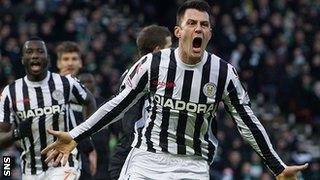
36	78
188	59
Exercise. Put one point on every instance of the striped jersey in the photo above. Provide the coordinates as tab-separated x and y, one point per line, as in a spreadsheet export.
44	104
183	102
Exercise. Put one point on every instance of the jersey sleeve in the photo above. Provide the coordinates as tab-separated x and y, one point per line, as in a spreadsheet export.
6	113
78	91
122	80
136	83
237	103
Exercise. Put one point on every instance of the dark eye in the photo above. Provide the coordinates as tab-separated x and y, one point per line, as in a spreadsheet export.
191	22
205	24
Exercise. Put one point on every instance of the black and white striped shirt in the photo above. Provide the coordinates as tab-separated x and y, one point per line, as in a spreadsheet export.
183	101
44	104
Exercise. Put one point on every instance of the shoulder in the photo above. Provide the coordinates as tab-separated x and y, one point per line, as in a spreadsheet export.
17	82
167	51
13	86
221	61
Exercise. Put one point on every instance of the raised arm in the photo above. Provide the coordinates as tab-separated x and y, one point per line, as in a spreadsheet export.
237	103
113	110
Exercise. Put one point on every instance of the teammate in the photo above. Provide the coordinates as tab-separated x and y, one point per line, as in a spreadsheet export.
69	63
150	39
184	89
35	103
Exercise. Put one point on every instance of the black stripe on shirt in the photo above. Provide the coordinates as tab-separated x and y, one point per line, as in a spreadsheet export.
77	95
223	70
66	94
13	97
166	110
6	110
66	88
183	115
27	107
154	78
42	127
55	116
268	158
202	100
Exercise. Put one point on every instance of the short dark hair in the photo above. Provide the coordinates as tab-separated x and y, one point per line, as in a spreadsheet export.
34	38
67	47
150	37
200	5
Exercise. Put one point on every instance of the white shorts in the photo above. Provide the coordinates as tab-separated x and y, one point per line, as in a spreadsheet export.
55	173
142	164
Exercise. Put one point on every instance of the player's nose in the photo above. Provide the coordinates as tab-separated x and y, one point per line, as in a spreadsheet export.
198	28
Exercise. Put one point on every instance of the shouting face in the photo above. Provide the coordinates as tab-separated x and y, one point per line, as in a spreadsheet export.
35	59
194	33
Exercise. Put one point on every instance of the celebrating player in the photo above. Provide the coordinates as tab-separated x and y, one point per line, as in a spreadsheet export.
184	86
35	103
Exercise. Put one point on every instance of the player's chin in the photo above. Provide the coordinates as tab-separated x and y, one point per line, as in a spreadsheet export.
36	72
196	52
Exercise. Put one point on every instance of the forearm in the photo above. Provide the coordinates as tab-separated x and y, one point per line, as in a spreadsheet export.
90	126
110	112
254	133
6	139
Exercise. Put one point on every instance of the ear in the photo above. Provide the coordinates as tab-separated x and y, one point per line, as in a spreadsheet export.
177	31
22	61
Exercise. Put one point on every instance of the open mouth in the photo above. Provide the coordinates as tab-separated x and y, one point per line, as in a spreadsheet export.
196	43
35	66
70	69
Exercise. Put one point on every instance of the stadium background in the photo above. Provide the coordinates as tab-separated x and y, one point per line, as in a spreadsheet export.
274	44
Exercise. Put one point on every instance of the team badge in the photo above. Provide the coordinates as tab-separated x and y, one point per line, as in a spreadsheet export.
209	89
57	95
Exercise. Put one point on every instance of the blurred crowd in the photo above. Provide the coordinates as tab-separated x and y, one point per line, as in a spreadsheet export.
274	44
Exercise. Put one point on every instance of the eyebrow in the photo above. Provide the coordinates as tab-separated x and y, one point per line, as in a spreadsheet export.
197	20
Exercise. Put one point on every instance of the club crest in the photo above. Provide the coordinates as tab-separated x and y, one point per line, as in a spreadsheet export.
209	89
57	95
